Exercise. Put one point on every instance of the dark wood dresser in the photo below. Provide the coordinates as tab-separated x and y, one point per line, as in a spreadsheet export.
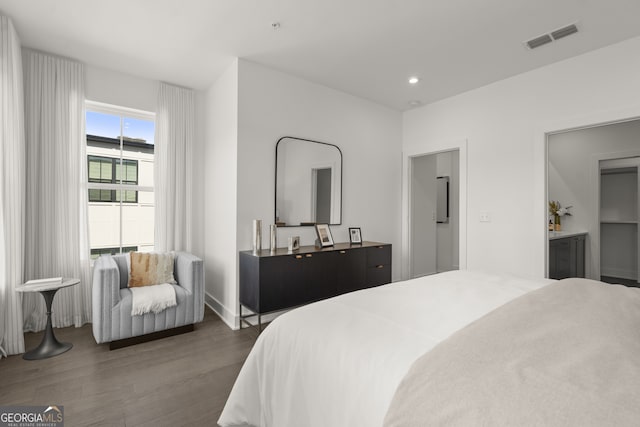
281	280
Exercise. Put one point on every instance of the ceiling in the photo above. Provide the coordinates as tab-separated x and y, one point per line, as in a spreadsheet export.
367	48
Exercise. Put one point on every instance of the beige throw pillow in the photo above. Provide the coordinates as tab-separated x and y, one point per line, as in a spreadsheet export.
150	269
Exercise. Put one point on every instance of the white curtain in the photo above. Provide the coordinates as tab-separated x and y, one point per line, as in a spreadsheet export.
12	189
173	176
57	243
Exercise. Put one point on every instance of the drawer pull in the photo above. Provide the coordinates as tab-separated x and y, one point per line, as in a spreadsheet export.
380	266
298	256
309	255
343	252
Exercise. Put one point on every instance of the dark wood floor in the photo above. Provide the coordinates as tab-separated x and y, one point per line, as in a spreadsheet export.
178	381
617	280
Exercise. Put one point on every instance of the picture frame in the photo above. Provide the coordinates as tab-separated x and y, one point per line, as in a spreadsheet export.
294	243
324	235
355	235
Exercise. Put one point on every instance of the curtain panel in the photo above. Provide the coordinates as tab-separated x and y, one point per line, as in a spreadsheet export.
12	189
174	138
56	237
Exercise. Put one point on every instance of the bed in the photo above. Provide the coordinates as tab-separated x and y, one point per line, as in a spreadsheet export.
368	358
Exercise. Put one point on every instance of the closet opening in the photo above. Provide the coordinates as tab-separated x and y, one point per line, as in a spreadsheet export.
619	258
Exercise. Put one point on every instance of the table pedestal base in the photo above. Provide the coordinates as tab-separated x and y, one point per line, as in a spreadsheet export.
49	346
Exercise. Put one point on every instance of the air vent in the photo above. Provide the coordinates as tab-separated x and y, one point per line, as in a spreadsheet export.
539	41
554	35
564	32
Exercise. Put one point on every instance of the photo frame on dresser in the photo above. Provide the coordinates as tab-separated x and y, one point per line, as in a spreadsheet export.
294	243
324	235
355	236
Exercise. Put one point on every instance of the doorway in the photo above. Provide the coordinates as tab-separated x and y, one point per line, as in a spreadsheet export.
321	195
619	237
434	206
591	170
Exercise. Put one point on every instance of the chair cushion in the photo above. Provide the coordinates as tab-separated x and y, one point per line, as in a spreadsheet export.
151	269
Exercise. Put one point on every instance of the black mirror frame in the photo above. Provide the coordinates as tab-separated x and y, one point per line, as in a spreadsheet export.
275	192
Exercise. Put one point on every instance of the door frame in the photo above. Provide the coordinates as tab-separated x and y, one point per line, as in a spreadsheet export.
314	190
407	156
541	175
596	267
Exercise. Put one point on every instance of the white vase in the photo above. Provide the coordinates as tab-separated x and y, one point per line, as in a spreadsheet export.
257	235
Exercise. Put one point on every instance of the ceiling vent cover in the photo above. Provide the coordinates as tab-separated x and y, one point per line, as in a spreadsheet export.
539	41
552	36
564	32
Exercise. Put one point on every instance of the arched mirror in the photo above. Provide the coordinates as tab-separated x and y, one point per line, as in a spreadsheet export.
308	183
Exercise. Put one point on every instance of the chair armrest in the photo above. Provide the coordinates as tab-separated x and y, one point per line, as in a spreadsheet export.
189	273
105	289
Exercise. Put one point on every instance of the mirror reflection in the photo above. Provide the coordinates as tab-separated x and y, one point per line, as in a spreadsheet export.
308	183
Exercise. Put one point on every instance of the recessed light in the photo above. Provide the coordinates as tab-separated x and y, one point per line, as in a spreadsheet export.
415	103
413	80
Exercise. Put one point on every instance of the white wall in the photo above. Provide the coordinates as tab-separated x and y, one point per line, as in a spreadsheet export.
504	127
262	105
273	104
220	194
113	87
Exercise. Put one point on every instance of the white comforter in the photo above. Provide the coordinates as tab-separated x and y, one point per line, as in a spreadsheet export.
338	362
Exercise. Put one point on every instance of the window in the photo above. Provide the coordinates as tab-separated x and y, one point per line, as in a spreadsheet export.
107	170
120	157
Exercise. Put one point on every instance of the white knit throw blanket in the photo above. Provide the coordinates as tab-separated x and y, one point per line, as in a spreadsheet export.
155	298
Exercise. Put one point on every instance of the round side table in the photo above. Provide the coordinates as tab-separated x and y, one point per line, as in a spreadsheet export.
49	346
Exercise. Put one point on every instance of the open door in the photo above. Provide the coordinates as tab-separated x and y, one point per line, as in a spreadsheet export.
424	195
434	232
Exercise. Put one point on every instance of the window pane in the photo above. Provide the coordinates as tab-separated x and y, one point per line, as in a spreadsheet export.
104	223
94	170
102	124
138	222
100	169
138	129
94	195
139	140
130	175
130	196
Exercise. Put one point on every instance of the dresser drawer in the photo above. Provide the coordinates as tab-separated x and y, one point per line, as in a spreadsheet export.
379	275
378	255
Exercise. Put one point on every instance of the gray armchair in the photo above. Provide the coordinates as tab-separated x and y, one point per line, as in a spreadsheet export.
112	320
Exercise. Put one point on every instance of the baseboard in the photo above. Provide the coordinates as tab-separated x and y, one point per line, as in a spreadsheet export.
619	273
227	317
232	320
126	342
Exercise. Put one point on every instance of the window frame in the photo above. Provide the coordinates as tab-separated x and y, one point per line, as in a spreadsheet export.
122	112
